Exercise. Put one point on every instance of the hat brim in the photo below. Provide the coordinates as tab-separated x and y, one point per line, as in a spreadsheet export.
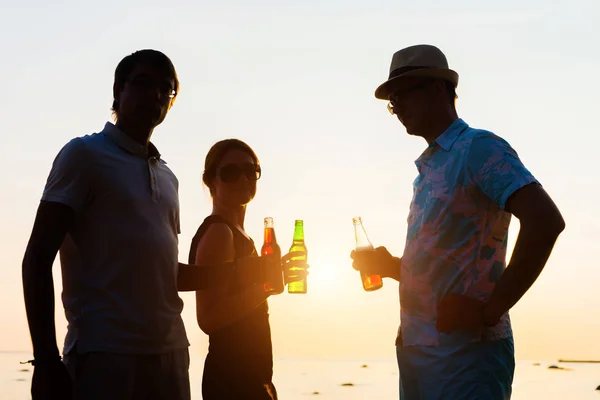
387	88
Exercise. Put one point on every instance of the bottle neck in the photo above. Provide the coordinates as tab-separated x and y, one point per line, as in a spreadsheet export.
270	235
299	233
362	240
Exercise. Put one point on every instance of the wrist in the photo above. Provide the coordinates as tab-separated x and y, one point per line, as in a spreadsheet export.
46	359
393	270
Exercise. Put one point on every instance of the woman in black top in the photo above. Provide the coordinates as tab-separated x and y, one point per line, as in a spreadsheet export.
239	363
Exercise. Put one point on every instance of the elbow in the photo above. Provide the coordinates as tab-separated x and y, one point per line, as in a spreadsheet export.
555	224
204	328
207	328
548	227
560	225
26	268
206	324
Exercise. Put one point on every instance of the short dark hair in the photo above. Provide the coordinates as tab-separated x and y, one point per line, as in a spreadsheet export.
151	57
216	154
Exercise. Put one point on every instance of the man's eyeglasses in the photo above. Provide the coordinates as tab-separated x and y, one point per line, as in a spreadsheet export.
147	83
232	172
397	95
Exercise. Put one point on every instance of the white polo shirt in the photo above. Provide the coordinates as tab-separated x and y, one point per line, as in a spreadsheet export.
119	260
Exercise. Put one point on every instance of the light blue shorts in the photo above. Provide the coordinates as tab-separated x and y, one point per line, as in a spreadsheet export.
470	371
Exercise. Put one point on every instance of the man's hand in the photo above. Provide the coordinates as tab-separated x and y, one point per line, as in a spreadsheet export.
377	262
258	270
290	274
51	381
460	313
254	269
271	270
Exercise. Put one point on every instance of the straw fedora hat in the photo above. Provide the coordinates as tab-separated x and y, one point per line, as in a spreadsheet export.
421	60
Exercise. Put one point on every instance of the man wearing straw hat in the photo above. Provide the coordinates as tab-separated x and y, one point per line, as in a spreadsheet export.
455	340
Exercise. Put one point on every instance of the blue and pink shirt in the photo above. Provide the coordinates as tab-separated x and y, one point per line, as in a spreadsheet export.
457	229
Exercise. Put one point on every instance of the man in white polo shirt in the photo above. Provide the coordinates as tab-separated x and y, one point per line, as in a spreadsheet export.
111	205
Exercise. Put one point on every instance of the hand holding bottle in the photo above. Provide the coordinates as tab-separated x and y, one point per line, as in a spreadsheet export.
363	245
271	254
295	262
377	262
271	273
295	268
257	270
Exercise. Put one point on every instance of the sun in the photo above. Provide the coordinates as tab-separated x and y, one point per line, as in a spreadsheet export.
324	276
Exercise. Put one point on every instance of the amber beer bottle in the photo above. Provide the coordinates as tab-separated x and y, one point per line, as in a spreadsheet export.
298	246
370	282
274	276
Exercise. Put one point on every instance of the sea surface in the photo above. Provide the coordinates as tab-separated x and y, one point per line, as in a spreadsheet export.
352	379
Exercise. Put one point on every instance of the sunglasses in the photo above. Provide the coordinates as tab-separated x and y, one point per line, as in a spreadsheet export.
232	172
396	96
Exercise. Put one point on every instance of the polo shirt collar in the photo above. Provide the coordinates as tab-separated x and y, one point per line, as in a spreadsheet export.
126	143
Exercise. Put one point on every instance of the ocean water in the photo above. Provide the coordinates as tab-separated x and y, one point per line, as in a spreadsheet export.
298	379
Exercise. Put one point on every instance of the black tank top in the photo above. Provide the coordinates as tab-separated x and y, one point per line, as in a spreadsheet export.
241	351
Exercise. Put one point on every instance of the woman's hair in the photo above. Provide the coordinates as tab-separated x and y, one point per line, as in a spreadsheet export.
216	154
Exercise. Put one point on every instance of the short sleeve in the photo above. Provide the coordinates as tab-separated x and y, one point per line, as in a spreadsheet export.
495	168
68	181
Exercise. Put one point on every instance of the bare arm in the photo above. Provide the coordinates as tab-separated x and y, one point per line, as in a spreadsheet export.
52	222
202	277
216	308
541	223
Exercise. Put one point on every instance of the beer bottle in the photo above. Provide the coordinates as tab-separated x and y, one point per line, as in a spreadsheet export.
274	274
369	282
298	286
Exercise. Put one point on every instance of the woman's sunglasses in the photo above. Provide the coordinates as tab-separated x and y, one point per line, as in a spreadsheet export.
232	172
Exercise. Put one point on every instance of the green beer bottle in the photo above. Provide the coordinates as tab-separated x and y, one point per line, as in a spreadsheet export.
298	246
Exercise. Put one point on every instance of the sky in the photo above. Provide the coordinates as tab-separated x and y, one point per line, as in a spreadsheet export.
295	80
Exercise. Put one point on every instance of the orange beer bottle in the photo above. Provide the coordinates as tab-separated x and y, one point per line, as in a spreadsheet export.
370	282
274	276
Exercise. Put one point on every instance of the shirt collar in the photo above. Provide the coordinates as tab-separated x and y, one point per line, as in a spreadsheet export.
446	140
128	144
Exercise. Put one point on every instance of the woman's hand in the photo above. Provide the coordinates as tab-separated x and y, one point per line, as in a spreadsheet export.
294	266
